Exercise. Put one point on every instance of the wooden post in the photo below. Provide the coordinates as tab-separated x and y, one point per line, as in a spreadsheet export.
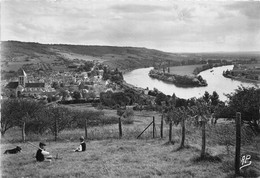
183	132
238	142
153	127
203	146
162	127
56	129
86	129
23	131
120	127
170	132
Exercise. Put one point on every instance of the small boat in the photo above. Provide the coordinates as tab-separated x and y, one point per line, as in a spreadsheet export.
211	70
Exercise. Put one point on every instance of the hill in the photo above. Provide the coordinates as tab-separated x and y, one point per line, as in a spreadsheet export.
15	54
57	56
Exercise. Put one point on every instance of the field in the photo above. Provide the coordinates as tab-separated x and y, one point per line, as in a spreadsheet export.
184	70
109	156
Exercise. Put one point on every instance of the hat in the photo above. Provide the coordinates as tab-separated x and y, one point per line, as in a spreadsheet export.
81	138
41	144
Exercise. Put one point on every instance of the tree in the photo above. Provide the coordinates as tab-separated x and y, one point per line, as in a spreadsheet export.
56	118
172	116
183	115
18	112
202	111
76	95
247	102
27	110
214	98
206	97
159	98
8	107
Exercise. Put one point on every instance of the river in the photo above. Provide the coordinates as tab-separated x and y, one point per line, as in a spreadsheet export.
216	82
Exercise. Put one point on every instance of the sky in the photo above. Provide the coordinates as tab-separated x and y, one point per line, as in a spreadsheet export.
171	26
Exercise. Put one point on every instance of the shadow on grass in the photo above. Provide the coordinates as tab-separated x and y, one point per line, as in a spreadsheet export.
169	143
228	166
206	158
250	173
182	148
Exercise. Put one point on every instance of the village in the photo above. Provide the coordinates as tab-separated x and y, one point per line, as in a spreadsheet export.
58	85
80	85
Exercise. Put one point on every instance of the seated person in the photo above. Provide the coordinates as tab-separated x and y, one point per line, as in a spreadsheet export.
82	146
42	154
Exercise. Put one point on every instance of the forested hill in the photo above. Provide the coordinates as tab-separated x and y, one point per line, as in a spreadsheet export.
15	54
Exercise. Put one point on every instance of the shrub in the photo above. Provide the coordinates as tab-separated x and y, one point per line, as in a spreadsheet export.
128	116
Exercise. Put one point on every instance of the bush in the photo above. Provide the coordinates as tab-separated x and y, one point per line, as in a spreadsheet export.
128	116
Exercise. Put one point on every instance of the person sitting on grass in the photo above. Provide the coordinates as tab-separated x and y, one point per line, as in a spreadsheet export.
82	146
42	154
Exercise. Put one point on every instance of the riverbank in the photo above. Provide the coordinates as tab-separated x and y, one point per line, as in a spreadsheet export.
209	66
246	80
216	82
178	80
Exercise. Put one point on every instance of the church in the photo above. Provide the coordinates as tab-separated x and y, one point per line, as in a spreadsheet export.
22	86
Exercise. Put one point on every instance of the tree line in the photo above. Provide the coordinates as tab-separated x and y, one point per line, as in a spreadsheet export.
33	116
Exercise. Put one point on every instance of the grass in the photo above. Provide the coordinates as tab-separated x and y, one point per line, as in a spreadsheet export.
109	156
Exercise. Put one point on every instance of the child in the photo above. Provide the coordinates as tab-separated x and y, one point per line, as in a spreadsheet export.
82	146
42	154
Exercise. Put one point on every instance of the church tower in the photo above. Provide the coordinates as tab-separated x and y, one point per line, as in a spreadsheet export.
22	77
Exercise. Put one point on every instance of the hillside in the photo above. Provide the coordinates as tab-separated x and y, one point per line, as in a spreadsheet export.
108	156
15	54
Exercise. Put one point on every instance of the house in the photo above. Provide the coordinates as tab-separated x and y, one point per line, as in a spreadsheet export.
23	86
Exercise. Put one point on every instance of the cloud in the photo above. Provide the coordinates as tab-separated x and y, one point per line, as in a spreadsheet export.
164	25
139	8
250	9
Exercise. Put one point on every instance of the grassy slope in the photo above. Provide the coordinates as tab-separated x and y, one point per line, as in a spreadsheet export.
124	58
18	53
111	158
107	156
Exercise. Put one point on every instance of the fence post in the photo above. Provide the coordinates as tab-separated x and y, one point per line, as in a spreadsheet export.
86	129
120	127
153	127
162	127
238	142
183	133
56	129
23	131
203	146
170	132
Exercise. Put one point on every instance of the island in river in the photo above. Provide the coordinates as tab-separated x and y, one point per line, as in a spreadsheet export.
178	80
